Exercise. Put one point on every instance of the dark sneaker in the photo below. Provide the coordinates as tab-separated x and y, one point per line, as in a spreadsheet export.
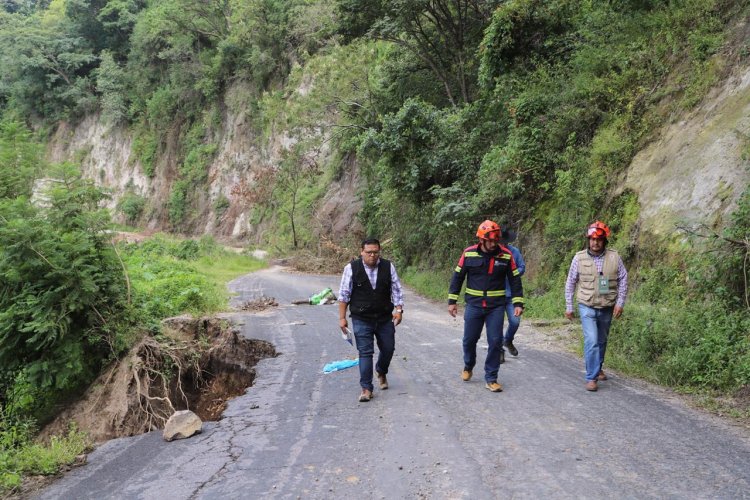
601	376
383	381
511	348
494	386
502	356
591	386
365	396
466	374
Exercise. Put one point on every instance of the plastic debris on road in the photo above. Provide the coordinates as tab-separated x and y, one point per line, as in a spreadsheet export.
347	335
324	297
340	365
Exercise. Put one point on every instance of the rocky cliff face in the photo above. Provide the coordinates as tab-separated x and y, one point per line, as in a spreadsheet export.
242	158
693	173
697	168
105	153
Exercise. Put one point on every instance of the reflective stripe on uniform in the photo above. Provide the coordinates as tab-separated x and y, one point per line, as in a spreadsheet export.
452	296
490	293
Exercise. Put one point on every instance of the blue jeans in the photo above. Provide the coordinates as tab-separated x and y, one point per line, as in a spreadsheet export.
595	323
513	322
366	333
476	317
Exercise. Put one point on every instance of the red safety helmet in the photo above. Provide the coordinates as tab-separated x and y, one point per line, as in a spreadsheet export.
489	230
598	229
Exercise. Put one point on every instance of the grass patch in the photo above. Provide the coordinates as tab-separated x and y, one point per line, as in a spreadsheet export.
548	306
18	459
230	266
171	276
430	284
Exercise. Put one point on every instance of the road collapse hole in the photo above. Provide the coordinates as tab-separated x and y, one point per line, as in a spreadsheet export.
196	363
218	366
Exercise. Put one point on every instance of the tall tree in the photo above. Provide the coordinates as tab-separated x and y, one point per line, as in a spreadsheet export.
443	34
44	65
20	160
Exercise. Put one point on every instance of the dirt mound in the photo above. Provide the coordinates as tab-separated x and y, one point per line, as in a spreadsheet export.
201	364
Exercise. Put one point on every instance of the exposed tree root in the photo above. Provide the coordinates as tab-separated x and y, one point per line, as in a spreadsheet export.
210	364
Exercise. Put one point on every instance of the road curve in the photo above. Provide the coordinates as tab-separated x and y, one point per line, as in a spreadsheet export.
299	433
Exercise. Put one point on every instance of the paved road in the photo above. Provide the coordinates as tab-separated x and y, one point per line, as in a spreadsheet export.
298	433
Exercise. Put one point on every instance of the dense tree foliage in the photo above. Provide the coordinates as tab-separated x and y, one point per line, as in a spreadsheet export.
61	286
442	34
525	111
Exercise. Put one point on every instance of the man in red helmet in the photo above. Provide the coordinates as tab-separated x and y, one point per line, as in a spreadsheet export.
485	267
602	289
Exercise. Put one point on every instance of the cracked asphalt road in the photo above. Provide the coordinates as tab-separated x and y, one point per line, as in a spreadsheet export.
299	433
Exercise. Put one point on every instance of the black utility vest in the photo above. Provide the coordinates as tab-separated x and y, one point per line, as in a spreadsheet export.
366	303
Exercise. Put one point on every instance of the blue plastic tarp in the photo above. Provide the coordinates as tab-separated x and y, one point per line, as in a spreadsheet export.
340	365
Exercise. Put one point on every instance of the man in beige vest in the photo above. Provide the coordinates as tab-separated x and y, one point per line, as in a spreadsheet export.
602	289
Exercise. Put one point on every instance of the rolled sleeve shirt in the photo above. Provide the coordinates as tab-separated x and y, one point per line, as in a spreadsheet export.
570	283
345	288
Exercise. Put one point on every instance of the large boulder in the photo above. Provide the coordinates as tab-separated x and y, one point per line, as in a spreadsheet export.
181	425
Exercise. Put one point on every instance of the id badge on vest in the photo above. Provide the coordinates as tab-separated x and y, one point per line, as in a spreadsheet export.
603	282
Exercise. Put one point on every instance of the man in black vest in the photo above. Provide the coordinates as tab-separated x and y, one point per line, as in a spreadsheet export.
370	288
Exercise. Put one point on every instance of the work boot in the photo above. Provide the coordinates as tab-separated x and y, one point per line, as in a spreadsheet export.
466	374
382	380
511	348
591	386
494	386
601	375
502	356
365	396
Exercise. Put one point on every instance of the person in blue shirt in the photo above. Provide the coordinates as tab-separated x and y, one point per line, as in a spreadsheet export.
506	237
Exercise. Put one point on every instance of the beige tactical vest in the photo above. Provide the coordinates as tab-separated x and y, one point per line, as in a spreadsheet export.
588	288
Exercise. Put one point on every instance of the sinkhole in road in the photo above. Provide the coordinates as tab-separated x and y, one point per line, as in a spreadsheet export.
222	374
218	365
197	364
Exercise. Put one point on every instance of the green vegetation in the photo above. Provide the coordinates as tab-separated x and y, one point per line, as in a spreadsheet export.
453	111
20	456
171	277
432	285
566	93
71	301
131	205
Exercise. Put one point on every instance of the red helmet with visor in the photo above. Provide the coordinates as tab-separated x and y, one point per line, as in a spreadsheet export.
598	229
489	230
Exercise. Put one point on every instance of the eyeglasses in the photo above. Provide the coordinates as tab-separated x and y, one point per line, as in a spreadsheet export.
372	253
